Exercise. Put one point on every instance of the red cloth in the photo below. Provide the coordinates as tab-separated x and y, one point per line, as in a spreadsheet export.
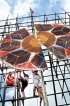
10	82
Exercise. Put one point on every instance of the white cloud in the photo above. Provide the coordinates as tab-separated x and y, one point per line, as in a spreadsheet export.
52	3
4	9
66	5
22	8
17	7
63	3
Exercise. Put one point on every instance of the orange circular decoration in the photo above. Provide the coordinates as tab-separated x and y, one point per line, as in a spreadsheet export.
55	36
46	38
22	51
31	44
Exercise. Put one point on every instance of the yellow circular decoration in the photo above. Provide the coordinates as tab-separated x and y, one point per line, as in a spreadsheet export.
43	38
31	44
34	43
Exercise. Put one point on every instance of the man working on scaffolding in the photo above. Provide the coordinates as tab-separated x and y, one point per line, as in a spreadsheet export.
10	79
24	82
37	85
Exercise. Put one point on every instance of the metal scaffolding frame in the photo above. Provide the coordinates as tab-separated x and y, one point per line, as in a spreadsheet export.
58	74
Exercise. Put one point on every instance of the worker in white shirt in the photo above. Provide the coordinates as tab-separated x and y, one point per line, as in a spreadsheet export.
37	84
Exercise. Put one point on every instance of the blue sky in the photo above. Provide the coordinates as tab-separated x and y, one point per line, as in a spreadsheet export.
21	7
